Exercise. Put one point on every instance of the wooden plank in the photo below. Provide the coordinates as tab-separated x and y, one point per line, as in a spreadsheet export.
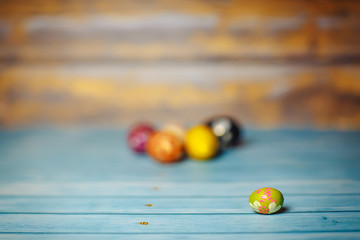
121	93
162	29
97	161
157	30
193	189
167	205
284	236
173	223
92	201
337	24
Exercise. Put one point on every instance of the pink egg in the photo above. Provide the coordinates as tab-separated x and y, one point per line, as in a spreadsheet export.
138	137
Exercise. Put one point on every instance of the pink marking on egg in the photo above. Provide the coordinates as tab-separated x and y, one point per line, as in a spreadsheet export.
258	191
264	210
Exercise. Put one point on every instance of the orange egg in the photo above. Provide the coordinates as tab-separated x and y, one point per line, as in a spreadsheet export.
165	147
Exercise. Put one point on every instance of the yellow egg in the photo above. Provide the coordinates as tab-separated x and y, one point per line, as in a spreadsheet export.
201	143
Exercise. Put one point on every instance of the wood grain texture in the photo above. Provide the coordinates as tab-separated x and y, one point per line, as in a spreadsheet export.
285	236
162	29
259	95
166	187
213	223
85	184
171	205
156	30
284	63
74	161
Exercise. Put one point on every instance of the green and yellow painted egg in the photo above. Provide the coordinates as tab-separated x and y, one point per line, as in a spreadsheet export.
266	200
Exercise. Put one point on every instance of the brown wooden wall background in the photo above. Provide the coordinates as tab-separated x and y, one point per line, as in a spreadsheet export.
269	63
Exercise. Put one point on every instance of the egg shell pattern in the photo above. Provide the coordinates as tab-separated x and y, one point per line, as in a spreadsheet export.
266	200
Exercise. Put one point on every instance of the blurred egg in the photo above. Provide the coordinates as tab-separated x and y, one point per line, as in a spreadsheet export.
175	129
201	143
226	129
165	147
138	136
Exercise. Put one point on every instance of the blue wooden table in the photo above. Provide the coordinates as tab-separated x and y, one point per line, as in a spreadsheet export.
86	184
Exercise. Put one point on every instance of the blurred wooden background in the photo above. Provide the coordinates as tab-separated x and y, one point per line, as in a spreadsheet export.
269	63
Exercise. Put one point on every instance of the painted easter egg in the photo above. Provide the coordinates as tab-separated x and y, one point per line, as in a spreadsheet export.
266	200
201	143
165	147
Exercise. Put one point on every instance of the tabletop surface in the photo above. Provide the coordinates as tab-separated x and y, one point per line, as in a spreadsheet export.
86	184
